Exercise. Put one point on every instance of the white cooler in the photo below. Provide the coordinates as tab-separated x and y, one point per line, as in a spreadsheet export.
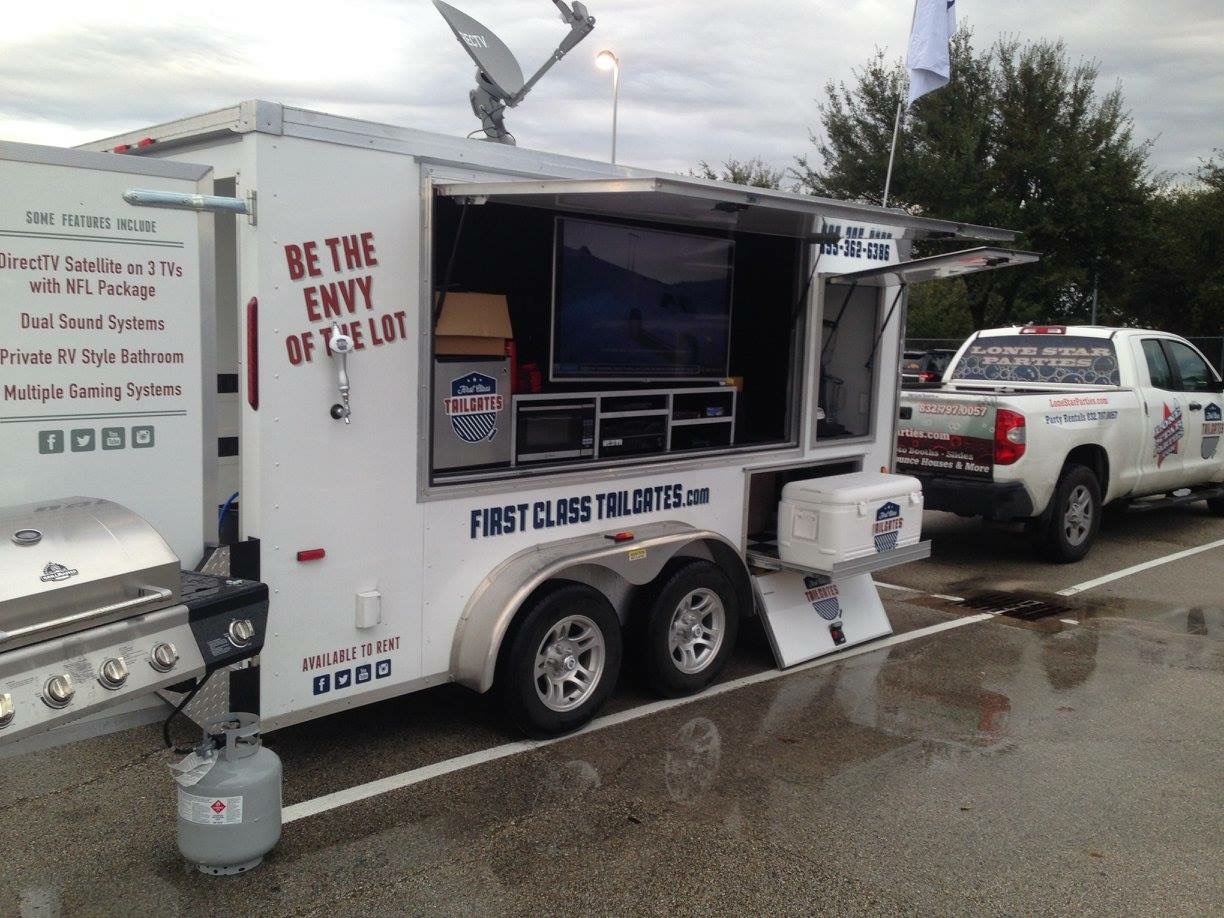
825	521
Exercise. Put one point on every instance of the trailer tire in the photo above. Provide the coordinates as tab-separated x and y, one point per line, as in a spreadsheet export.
689	629
562	660
1216	505
1073	518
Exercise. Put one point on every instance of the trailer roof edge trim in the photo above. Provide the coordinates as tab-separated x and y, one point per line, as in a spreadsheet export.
706	203
11	151
937	267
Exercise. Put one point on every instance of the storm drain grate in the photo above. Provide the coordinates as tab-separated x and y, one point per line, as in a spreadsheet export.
1012	605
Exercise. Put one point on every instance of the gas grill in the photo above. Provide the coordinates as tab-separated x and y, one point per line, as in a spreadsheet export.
94	611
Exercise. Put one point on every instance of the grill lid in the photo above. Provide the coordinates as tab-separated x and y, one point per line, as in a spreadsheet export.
75	563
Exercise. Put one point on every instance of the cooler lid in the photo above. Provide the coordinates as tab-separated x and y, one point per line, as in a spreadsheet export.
851	488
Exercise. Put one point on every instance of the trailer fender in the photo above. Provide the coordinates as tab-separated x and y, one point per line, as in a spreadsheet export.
613	568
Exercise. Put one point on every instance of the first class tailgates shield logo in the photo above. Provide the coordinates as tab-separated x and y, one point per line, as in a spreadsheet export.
823	597
473	407
888	524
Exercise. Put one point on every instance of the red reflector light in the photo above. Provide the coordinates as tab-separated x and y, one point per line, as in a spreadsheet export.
252	354
1010	436
312	554
146	142
122	148
622	537
928	376
1044	330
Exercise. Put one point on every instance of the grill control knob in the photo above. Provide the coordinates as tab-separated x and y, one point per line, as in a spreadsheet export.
241	631
58	691
113	673
6	709
164	657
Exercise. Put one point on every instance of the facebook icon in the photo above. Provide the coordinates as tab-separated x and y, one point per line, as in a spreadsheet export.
322	684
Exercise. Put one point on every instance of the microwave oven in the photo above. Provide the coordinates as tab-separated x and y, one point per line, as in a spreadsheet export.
546	431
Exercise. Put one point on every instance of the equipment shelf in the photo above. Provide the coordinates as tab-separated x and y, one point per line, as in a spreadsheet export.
765	555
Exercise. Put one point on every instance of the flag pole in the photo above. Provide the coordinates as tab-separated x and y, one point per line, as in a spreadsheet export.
892	154
892	151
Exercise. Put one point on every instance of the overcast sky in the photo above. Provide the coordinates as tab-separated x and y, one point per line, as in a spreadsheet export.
700	80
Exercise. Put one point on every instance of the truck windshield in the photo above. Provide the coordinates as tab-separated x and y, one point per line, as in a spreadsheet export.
1056	360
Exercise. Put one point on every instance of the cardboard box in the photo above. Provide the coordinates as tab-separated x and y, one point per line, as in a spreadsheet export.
473	324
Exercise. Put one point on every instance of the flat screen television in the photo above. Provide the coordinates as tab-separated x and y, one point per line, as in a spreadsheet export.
639	304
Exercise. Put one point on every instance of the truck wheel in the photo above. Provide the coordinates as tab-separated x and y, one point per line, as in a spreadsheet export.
690	628
1216	505
562	661
1074	516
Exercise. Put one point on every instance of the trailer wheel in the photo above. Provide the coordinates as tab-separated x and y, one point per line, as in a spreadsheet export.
1216	505
562	661
1074	516
690	628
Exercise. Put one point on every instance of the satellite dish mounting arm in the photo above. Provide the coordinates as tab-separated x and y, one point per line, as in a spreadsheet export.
499	79
581	24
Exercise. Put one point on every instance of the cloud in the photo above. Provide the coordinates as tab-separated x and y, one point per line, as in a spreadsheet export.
706	80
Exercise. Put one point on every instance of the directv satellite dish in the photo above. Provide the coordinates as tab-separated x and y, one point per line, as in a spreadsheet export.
499	78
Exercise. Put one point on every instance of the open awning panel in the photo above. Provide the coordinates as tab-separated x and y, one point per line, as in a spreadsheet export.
718	205
936	267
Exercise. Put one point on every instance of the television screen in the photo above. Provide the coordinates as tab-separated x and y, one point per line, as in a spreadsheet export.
632	303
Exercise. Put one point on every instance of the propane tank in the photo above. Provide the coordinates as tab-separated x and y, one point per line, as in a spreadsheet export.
229	799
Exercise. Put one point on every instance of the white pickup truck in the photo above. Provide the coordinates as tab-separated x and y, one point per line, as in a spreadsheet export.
1048	423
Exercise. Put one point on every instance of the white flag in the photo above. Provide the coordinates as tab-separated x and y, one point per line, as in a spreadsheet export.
928	62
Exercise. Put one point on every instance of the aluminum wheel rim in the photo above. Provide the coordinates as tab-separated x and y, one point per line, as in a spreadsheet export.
695	635
1077	520
569	663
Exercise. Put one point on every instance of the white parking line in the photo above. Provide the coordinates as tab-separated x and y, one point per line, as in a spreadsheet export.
1137	568
404	779
380	786
905	589
894	586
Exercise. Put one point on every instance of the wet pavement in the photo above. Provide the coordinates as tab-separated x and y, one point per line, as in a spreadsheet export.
1001	767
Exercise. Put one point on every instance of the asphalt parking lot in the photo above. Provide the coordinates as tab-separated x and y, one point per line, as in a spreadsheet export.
973	763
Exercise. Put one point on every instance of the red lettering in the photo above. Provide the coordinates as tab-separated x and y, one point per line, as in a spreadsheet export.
332	244
388	327
311	252
311	295
352	255
327	296
294	346
366	286
367	248
293	256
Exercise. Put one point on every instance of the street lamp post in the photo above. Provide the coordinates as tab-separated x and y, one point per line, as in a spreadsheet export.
607	60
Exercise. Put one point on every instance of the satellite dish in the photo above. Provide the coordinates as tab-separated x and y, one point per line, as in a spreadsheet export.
499	78
495	60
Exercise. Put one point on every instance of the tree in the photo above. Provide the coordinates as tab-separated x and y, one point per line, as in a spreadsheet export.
755	172
1019	138
1177	276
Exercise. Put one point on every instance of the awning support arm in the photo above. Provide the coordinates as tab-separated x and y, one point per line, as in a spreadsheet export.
450	265
887	319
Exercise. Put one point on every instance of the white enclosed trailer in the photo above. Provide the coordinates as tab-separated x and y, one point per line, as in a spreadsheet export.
494	478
